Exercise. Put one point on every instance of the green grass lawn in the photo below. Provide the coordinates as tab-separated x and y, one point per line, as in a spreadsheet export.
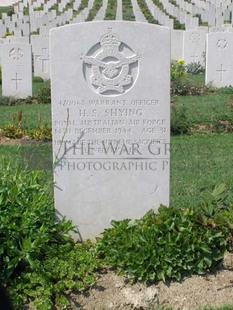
30	114
200	162
206	109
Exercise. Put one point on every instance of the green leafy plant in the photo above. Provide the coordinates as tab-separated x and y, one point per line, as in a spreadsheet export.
225	90
43	132
181	84
4	100
167	245
39	261
194	68
188	88
37	79
14	130
178	70
178	25
180	123
43	94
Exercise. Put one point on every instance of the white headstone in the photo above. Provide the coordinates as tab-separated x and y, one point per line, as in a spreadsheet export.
16	70
219	59
194	46
110	106
41	56
177	41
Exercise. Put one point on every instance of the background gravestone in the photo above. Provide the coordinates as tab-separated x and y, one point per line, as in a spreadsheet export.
41	57
110	109
17	70
219	59
194	46
177	41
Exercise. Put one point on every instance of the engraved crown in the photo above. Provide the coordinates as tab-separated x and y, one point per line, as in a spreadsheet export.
110	39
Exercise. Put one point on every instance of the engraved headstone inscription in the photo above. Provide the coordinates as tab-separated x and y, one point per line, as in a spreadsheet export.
41	56
111	126
219	61
194	46
17	70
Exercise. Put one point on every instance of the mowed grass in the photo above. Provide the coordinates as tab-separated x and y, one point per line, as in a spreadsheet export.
31	155
206	109
200	162
31	114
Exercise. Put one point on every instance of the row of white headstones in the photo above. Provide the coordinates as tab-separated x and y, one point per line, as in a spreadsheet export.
213	50
42	17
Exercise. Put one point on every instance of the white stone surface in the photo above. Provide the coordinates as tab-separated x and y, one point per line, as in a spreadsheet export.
110	91
41	57
16	70
177	42
8	2
119	10
194	46
219	59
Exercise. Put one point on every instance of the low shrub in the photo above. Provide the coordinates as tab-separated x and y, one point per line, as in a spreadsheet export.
16	130
10	101
13	131
181	84
43	132
179	121
187	88
225	90
178	70
39	261
37	79
194	68
178	25
43	94
173	243
4	101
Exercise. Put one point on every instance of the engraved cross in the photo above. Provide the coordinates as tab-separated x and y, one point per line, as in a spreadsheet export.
194	57
44	59
17	81
221	70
